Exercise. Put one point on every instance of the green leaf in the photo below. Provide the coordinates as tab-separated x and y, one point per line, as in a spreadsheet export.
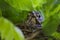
11	13
51	10
56	35
36	3
55	10
0	13
50	6
50	25
9	31
25	4
20	4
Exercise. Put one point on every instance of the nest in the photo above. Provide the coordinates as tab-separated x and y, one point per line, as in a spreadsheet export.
32	33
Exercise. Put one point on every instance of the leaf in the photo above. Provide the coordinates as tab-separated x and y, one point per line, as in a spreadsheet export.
56	10
20	4
49	6
20	34
0	13
51	25
8	30
56	35
25	4
11	13
51	10
36	3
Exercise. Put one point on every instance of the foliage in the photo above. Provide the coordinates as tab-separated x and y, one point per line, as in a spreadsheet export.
51	10
8	31
16	11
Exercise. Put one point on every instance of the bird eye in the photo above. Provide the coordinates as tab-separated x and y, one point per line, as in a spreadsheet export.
39	16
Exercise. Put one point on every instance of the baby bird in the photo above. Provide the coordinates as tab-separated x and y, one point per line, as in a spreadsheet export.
34	19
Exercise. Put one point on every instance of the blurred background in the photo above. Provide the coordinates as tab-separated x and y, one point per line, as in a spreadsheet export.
14	14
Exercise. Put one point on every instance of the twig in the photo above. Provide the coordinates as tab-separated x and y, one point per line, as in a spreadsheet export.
33	35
